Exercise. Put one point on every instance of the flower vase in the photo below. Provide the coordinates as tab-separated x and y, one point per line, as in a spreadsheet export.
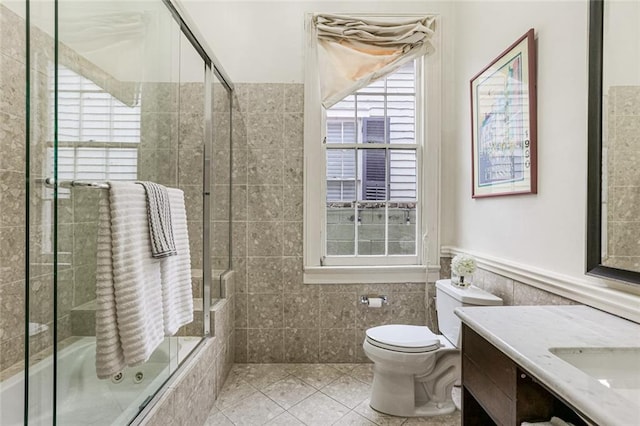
461	280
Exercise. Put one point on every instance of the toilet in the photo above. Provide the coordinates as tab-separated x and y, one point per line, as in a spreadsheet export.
414	369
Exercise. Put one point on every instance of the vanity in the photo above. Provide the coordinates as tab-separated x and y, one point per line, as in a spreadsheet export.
529	363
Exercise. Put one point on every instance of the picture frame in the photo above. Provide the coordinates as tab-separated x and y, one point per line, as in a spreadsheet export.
504	121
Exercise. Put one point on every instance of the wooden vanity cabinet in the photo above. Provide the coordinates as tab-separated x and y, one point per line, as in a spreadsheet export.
495	390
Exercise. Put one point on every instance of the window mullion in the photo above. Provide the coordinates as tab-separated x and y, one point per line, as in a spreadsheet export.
356	217
409	147
356	226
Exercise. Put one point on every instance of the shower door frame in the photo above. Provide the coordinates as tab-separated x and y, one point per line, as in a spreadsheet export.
212	67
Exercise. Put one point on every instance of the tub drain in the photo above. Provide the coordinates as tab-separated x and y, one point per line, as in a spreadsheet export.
138	377
117	378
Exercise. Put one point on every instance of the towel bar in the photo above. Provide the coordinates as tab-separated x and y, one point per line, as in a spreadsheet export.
51	182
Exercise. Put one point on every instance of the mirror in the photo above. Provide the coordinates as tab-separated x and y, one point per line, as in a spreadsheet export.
613	217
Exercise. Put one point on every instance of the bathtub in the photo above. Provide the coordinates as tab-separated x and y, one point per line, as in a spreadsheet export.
83	399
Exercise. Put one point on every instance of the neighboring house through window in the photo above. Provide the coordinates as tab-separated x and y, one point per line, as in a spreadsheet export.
371	153
370	203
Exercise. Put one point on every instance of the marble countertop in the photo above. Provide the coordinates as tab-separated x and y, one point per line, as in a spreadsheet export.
526	333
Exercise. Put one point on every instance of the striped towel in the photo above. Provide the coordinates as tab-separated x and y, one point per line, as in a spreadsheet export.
129	314
159	216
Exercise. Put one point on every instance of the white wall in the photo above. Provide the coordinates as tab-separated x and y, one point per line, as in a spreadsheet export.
545	231
263	41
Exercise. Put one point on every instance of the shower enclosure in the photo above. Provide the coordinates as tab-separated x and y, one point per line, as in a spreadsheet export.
91	92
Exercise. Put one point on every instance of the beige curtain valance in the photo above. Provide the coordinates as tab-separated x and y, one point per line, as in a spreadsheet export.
353	52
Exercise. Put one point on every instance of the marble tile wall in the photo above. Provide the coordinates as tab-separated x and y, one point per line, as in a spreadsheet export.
277	317
221	177
622	177
512	292
171	150
12	170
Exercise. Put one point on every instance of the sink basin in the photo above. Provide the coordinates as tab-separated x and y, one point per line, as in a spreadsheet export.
615	368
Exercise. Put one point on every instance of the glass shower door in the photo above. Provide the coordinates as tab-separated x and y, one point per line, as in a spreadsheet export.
93	92
118	105
45	282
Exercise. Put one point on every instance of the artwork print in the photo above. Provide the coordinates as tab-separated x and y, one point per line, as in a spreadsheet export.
503	123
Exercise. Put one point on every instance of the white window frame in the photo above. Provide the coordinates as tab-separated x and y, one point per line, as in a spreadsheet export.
428	130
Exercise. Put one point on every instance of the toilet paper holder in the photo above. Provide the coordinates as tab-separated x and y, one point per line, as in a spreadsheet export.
365	299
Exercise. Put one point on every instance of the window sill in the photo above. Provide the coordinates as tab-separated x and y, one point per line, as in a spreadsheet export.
369	274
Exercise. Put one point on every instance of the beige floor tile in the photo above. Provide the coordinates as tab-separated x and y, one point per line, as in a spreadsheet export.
257	394
255	410
378	418
218	419
285	419
343	368
261	375
363	372
348	391
316	375
289	391
234	390
353	419
318	410
452	419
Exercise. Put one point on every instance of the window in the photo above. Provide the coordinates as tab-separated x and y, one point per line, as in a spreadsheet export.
371	204
371	165
98	135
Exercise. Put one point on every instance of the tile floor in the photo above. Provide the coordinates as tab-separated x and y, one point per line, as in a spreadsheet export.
304	394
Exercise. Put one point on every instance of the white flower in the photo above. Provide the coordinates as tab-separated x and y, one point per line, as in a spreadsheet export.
463	265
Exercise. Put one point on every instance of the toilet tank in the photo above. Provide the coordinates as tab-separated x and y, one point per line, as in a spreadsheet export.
449	297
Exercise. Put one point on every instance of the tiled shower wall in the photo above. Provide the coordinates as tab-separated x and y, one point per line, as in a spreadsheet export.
622	177
278	318
12	171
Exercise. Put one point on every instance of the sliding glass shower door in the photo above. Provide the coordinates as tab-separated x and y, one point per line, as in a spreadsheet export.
94	92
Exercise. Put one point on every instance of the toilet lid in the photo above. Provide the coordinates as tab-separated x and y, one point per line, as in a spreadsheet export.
403	338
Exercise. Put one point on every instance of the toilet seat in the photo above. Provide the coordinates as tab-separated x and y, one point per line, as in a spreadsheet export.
403	338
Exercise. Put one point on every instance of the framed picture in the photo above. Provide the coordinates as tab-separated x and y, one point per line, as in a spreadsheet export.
503	123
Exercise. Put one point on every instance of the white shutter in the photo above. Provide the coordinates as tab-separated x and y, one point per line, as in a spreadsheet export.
402	175
341	131
341	172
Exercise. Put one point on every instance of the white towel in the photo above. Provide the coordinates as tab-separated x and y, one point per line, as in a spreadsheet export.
109	354
129	313
177	296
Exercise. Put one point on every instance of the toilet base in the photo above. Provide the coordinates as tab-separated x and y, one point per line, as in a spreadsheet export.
435	409
456	395
399	390
428	409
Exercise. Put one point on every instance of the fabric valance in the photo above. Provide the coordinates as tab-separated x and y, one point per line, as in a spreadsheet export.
353	52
